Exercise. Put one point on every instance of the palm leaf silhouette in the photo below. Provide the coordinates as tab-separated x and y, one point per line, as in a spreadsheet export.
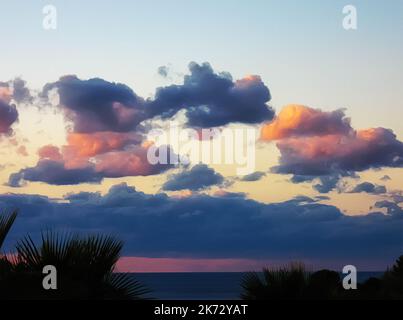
287	282
85	265
6	221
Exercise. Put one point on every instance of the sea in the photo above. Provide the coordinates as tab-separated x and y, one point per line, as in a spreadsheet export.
204	285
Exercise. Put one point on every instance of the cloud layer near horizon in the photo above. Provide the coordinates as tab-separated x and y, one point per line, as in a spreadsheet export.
215	226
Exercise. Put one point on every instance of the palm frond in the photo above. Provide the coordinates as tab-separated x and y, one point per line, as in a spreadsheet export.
28	253
6	221
288	282
84	265
252	285
125	286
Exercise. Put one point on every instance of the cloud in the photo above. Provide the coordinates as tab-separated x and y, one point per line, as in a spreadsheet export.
11	92
8	112
22	151
320	198
89	145
68	169
20	92
132	162
201	226
397	196
15	90
211	99
254	176
97	105
54	172
89	157
104	135
327	183
329	154
50	152
227	194
6	93
297	120
392	207
163	71
198	177
318	145
368	188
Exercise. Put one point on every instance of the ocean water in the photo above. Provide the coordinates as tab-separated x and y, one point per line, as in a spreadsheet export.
203	285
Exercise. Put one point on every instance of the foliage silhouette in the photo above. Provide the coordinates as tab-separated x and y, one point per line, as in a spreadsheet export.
294	282
392	280
287	282
84	267
6	221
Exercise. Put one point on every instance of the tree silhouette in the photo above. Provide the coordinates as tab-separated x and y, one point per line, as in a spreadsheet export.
85	267
6	221
294	282
392	280
288	282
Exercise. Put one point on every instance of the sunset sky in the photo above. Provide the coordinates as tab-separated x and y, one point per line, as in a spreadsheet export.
78	105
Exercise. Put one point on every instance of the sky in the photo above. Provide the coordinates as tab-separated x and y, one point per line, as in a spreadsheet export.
79	105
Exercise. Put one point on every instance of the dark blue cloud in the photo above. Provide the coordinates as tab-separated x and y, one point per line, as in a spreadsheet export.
213	226
98	105
254	176
385	178
319	198
397	196
54	172
368	188
391	206
327	183
212	99
198	177
20	91
163	71
8	116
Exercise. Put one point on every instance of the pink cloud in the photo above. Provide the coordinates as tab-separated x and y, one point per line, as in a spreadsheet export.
318	143
50	152
143	264
6	94
361	150
132	162
336	146
92	144
22	151
148	265
297	120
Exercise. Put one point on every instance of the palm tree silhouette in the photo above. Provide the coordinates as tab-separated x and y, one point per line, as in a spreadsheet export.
287	282
294	282
6	221
85	267
290	282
